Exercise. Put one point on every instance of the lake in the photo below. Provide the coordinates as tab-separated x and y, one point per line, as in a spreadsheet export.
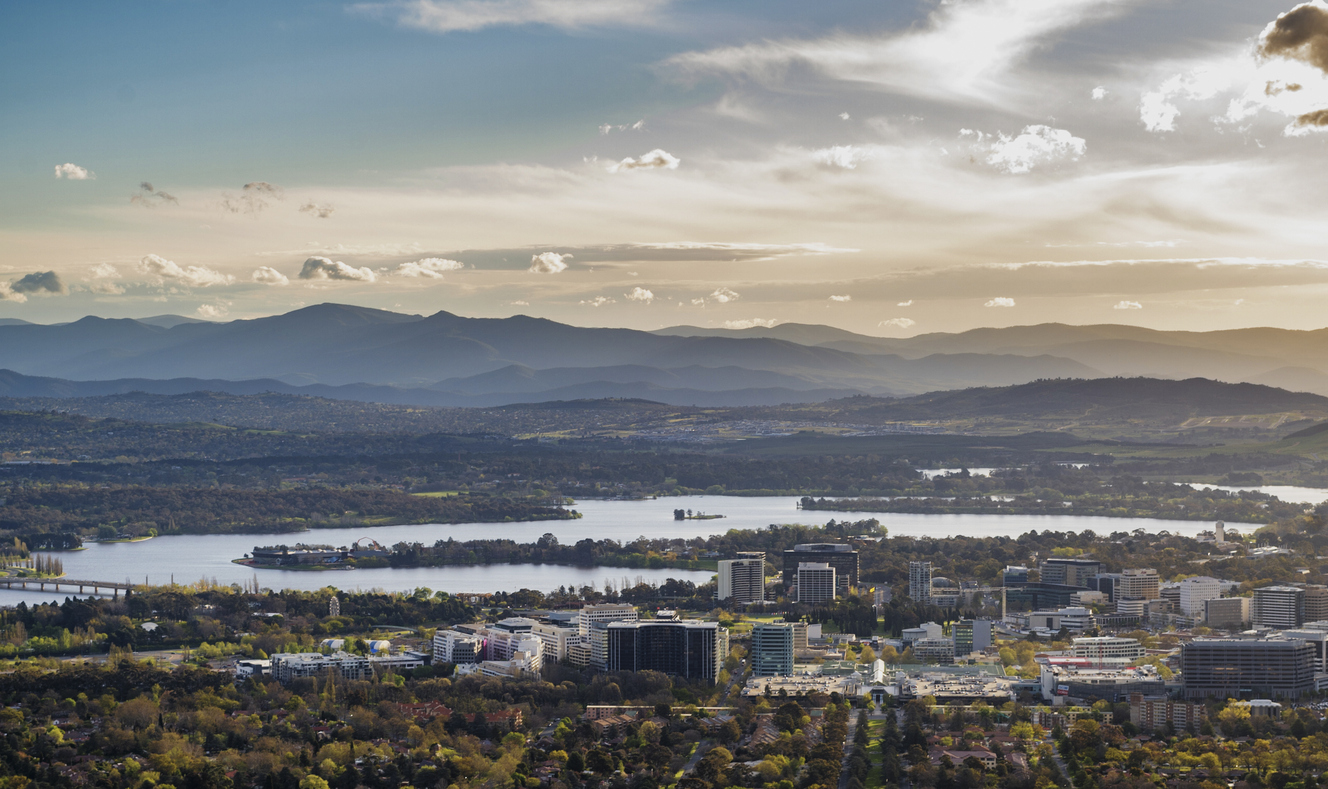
186	559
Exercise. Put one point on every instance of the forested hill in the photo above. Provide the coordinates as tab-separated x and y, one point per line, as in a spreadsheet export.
1136	398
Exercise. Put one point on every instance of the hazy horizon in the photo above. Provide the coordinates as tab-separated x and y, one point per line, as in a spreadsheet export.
890	170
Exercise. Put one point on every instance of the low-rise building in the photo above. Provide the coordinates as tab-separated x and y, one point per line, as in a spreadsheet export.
934	650
288	666
1152	712
1107	651
1075	678
803	685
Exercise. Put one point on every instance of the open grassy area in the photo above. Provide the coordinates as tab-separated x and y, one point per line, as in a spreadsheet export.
437	494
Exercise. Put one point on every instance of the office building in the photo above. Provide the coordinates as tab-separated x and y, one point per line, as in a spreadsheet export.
605	612
1036	595
919	581
772	649
944	592
1315	637
1316	603
1105	651
1194	592
688	648
971	635
1073	619
1064	677
924	630
1138	584
1014	574
557	637
816	582
1231	613
742	580
1278	607
453	646
934	650
1070	572
841	557
1245	668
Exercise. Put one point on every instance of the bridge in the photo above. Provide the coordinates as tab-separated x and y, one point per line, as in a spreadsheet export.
41	583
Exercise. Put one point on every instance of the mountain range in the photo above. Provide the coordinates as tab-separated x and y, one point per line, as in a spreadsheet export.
357	353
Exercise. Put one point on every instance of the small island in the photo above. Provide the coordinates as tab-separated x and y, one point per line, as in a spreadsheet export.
688	515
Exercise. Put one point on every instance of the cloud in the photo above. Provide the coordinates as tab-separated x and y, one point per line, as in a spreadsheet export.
192	276
1128	305
253	198
320	211
212	312
1037	144
547	263
42	282
1099	93
908	303
898	323
843	116
520	303
7	294
429	268
598	301
845	297
609	127
448	16
640	294
150	197
267	275
1000	301
723	295
963	53
845	157
751	323
320	268
104	271
73	172
1157	108
107	288
658	159
1299	34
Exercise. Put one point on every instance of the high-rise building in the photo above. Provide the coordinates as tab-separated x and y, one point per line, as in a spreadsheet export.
841	557
1070	572
1194	592
1227	612
1279	607
687	648
1139	584
971	635
742	580
1316	602
772	649
1241	668
816	582
452	646
919	581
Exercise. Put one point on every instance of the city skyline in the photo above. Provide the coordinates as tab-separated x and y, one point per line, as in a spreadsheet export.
910	169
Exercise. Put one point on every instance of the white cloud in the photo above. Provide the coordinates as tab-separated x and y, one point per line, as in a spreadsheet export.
430	268
1000	301
192	276
448	16
843	116
723	295
598	301
8	294
212	312
107	288
73	172
898	323
1157	108
845	297
908	303
104	271
751	323
641	294
548	263
320	211
269	276
321	268
1128	305
1099	93
964	52
658	159
1037	144
846	157
609	127
520	303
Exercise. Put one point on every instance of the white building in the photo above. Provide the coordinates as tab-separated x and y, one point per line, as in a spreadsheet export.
1106	651
924	630
1193	593
605	612
934	650
288	666
556	639
742	580
816	582
1069	618
453	646
919	581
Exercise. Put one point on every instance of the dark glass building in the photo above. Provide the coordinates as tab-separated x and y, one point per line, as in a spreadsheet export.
689	649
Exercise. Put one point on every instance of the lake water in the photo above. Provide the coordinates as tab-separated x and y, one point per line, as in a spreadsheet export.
186	559
1283	492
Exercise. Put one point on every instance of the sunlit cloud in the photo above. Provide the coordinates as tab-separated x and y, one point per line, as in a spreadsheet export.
843	298
325	269
897	323
73	172
752	323
267	275
1033	146
164	271
641	294
450	16
212	312
548	263
428	268
1000	301
658	159
1128	305
598	301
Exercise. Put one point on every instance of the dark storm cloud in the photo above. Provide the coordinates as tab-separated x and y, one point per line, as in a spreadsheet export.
40	282
1300	34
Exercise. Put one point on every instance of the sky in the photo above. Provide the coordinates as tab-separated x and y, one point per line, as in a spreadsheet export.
886	166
